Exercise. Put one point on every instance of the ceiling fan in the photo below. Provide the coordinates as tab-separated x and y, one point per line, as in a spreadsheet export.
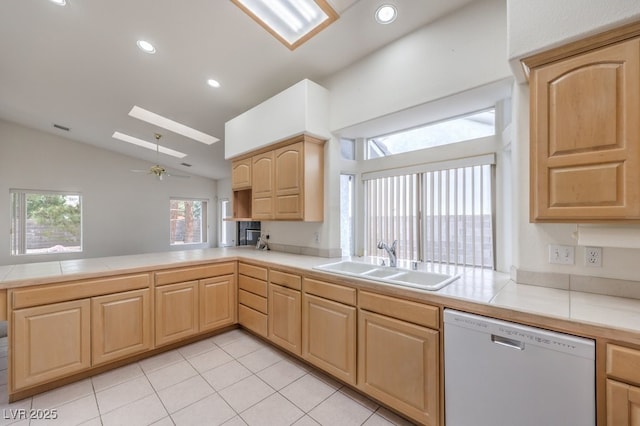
157	169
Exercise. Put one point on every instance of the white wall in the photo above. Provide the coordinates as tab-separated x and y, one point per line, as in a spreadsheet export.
534	27
123	212
461	51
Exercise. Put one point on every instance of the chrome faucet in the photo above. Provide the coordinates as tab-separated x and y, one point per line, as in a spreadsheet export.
393	259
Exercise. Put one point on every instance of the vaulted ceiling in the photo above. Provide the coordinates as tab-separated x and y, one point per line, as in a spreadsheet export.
78	66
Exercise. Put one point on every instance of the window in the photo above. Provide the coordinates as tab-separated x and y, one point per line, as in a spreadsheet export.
473	126
188	221
441	212
348	149
227	227
347	207
45	222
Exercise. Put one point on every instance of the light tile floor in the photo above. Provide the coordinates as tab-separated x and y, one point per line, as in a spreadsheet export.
231	379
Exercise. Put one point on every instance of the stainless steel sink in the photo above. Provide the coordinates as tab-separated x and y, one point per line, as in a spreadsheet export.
398	276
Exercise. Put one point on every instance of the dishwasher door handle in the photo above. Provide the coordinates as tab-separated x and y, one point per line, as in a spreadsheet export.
505	341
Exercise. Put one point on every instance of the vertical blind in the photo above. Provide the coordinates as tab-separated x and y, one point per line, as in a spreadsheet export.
437	215
393	214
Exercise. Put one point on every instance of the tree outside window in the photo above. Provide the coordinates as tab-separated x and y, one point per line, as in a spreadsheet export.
188	221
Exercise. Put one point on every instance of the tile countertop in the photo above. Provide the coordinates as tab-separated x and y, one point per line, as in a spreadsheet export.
475	285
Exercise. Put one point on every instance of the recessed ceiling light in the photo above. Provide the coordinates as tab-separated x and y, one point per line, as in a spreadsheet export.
291	21
386	14
213	83
146	47
59	2
174	126
149	145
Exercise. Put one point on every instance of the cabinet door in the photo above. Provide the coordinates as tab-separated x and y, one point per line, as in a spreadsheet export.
285	317
585	136
398	364
241	174
217	302
623	404
50	342
289	182
329	336
120	325
176	312
262	186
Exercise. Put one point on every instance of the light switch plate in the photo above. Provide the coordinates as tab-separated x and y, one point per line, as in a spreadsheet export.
562	255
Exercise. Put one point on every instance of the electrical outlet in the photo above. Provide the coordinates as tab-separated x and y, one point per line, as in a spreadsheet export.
593	256
316	237
563	255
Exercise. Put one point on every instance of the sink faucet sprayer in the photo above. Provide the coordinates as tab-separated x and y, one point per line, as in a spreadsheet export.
391	251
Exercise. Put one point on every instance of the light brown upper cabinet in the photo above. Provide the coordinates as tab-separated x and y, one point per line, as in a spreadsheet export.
287	182
299	182
585	131
241	174
262	186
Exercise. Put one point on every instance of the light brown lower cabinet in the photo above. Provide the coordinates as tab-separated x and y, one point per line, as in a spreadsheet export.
176	312
329	336
623	404
50	342
623	399
121	325
285	317
398	364
218	306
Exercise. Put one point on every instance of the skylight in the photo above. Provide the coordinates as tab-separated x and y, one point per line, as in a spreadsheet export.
291	21
149	145
173	126
473	126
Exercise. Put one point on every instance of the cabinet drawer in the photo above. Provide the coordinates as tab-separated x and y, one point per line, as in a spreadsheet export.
417	313
286	280
329	291
252	271
252	285
623	363
254	301
195	273
252	320
45	295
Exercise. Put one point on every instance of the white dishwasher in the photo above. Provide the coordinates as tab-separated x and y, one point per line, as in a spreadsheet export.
499	373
